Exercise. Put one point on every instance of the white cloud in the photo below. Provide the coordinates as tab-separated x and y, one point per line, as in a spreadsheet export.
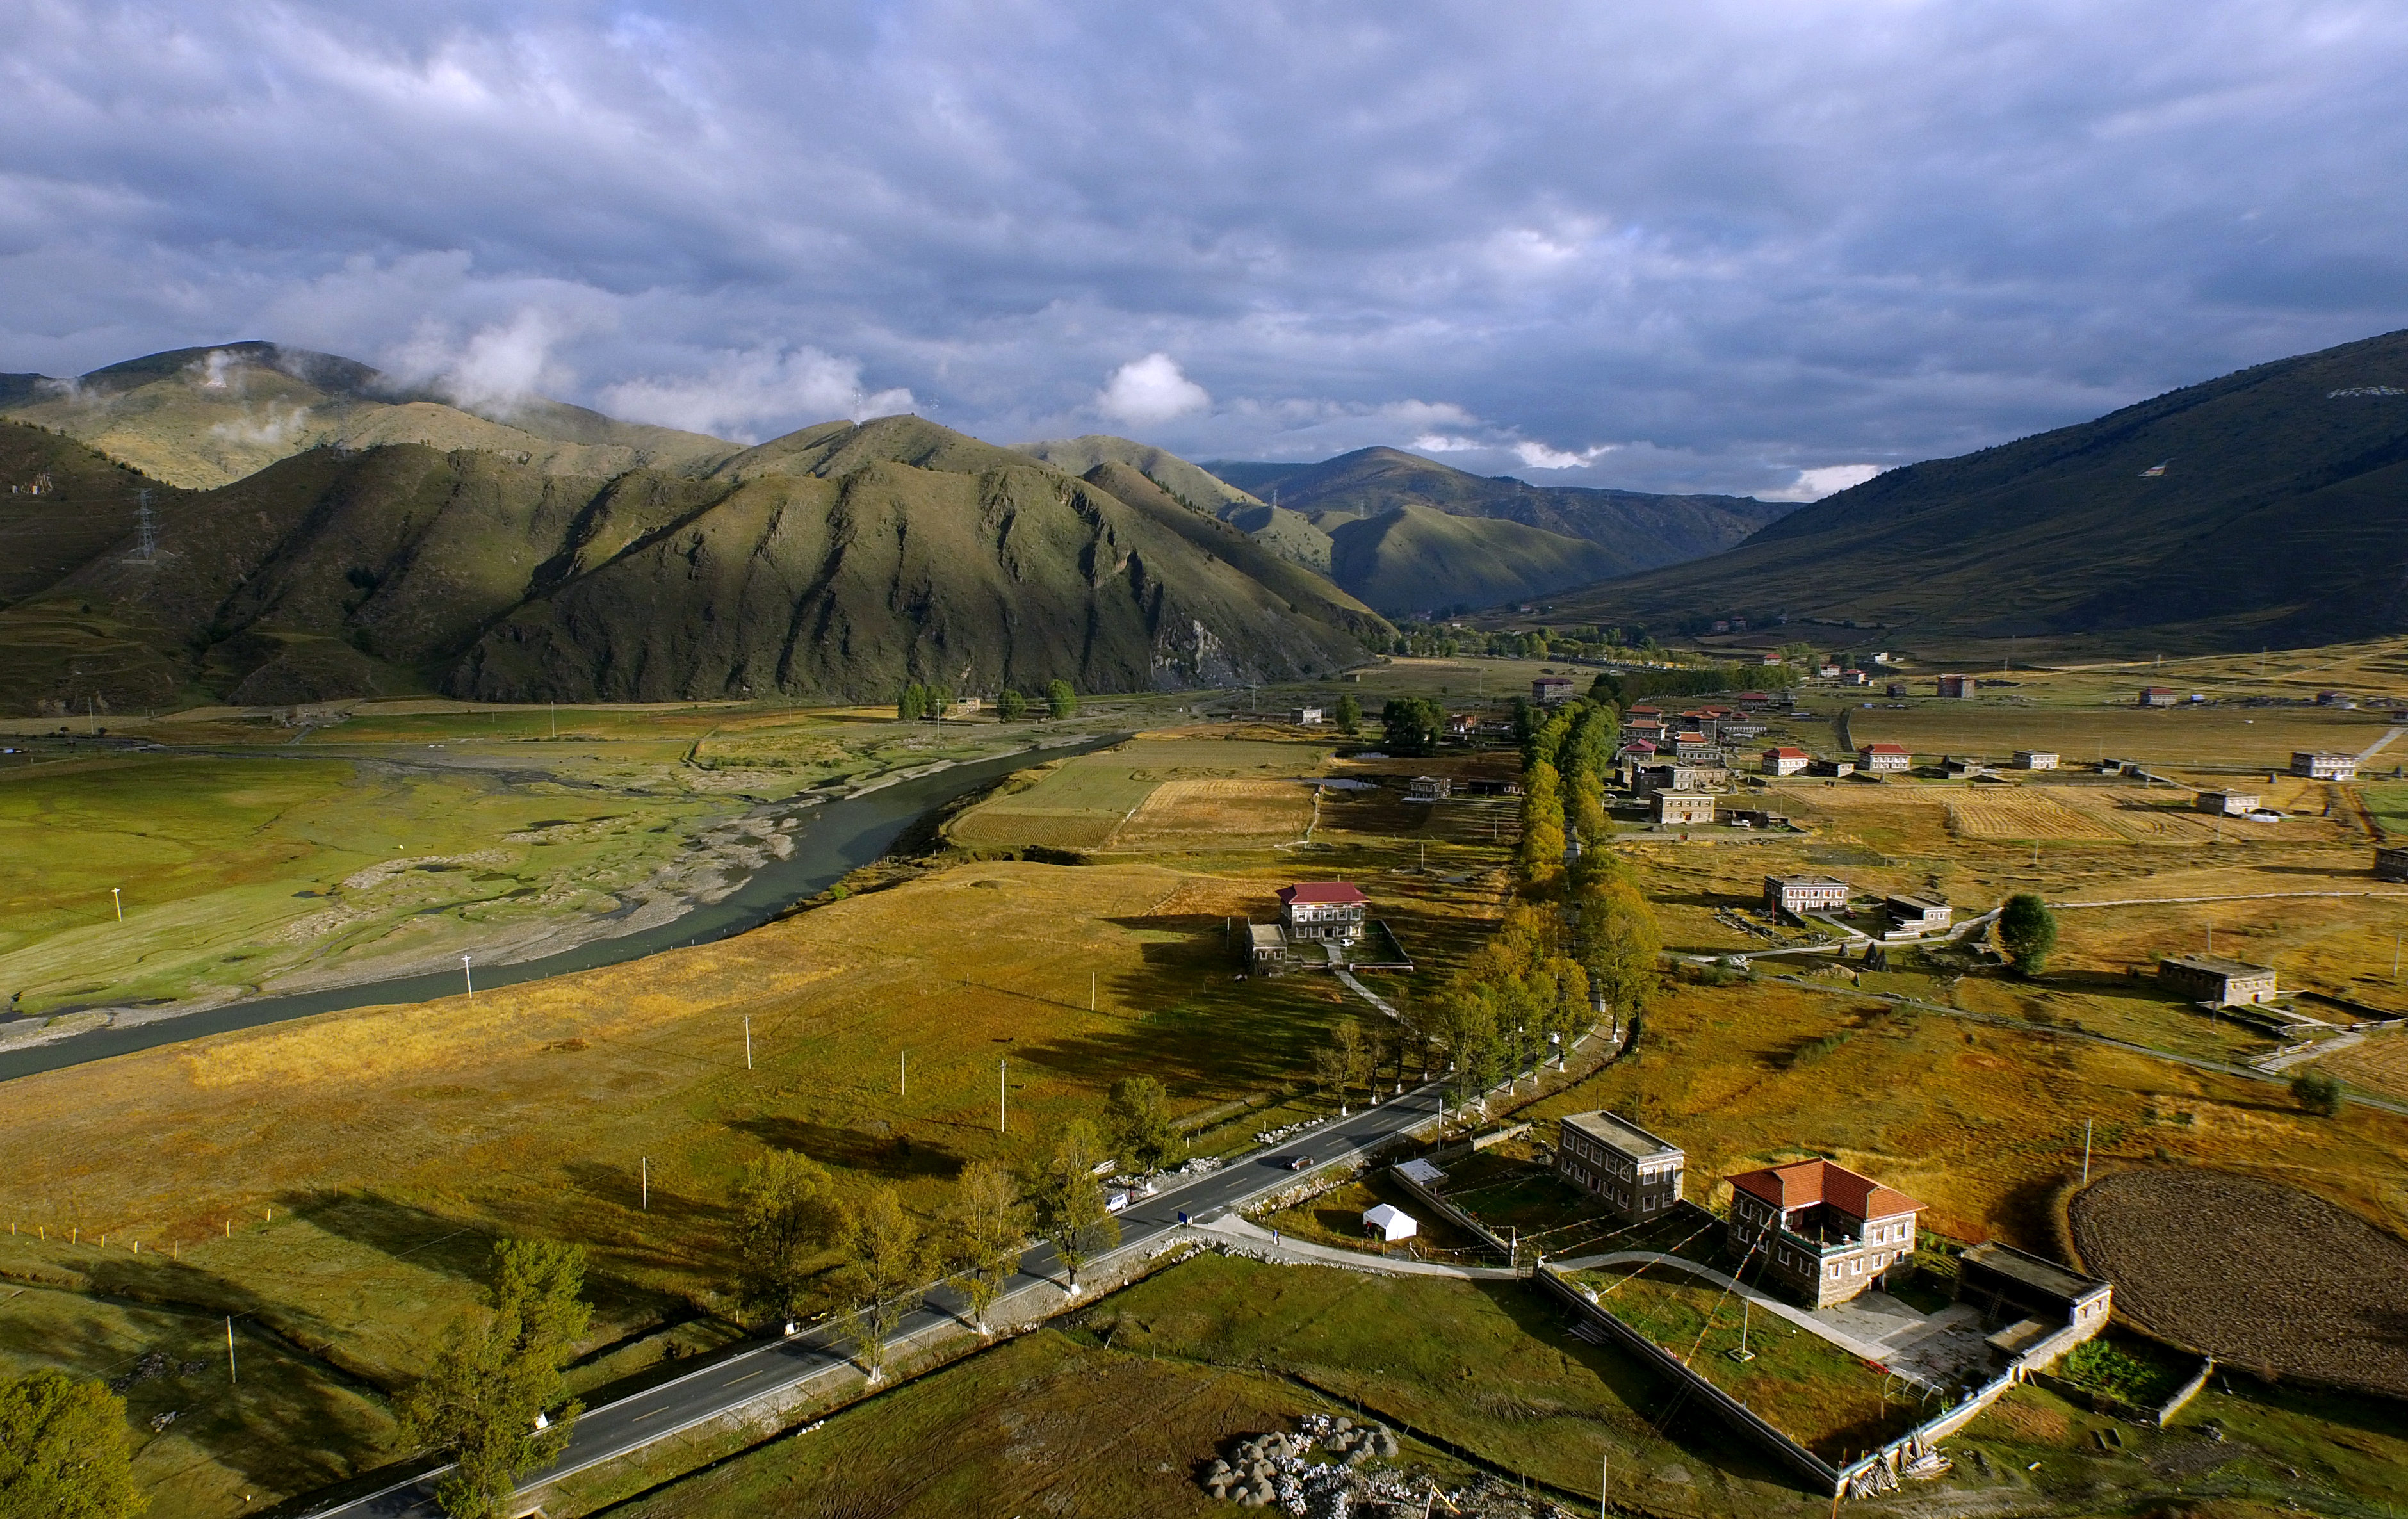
1447	444
1539	456
1814	484
1150	391
500	365
756	393
275	429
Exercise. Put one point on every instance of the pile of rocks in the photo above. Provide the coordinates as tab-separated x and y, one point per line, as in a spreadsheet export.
1272	1470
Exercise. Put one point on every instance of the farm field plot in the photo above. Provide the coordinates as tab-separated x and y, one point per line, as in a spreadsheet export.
2259	738
1079	803
1226	812
2378	1065
2017	814
2251	1272
1811	1390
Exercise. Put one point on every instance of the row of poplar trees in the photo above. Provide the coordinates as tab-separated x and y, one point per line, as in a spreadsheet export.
1578	938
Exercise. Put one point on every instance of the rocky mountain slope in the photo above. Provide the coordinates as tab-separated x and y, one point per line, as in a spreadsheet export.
2268	507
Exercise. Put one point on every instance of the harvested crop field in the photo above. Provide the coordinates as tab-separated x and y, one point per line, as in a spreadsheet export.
2004	815
1217	810
1083	803
2380	1064
2261	1275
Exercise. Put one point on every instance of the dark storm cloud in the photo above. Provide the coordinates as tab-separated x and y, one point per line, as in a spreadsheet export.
1708	245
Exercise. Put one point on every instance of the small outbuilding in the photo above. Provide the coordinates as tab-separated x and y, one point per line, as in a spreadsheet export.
2035	759
2230	804
2212	978
1389	1224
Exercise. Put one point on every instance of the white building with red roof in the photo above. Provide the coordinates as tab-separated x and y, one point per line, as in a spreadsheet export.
1783	760
1819	1229
1323	910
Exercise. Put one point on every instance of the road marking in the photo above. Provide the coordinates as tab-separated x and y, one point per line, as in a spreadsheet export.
746	1376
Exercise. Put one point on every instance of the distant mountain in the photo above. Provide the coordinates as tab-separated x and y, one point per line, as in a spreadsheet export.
2269	507
836	562
1510	540
205	417
1641	530
1184	480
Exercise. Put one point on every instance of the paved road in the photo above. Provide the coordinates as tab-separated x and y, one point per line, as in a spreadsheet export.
738	1377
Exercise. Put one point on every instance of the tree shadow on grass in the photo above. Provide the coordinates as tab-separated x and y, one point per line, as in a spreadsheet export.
326	1416
895	1156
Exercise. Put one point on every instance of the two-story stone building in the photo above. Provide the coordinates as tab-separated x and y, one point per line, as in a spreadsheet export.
1635	1173
2320	767
1823	1233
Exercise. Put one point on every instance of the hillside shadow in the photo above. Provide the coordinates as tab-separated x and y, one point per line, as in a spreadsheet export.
894	1157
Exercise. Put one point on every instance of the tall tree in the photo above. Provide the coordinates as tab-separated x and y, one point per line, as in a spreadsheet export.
1011	706
2027	932
1589	823
1137	1116
1542	827
912	703
1409	725
1069	1201
63	1451
1060	699
498	1373
989	1223
783	1224
1620	945
885	1266
1349	715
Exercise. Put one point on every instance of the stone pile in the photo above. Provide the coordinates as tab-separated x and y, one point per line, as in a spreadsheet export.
1273	1470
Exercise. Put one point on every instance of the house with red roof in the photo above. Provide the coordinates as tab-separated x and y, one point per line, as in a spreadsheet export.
1819	1230
1781	759
1319	911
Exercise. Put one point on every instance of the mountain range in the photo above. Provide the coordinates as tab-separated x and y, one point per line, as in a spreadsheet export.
2269	507
488	558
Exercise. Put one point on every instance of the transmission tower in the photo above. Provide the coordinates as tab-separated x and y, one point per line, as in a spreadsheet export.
149	546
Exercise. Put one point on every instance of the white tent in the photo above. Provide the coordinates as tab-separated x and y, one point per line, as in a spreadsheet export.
1389	1224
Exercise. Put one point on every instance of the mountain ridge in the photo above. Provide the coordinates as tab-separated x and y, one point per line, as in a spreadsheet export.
2266	505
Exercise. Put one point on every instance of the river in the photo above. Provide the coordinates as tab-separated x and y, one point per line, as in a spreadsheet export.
831	841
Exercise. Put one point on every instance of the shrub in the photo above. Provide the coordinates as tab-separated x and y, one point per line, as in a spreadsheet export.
2027	932
2318	1092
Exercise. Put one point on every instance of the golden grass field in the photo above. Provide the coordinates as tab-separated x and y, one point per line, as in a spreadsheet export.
1233	783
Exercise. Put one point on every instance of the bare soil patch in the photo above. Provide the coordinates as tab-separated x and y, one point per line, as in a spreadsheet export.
1218	811
2252	1272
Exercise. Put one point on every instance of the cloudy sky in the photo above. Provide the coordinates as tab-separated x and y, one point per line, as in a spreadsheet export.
1756	247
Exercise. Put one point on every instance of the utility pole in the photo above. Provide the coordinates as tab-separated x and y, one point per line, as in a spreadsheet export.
902	1073
998	1094
117	900
150	548
469	976
1091	991
644	1182
2086	1150
556	719
748	1041
233	1373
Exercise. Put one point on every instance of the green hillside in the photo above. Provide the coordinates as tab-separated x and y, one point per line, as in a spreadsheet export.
1291	535
835	562
1640	530
1411	558
1184	480
2281	517
206	417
